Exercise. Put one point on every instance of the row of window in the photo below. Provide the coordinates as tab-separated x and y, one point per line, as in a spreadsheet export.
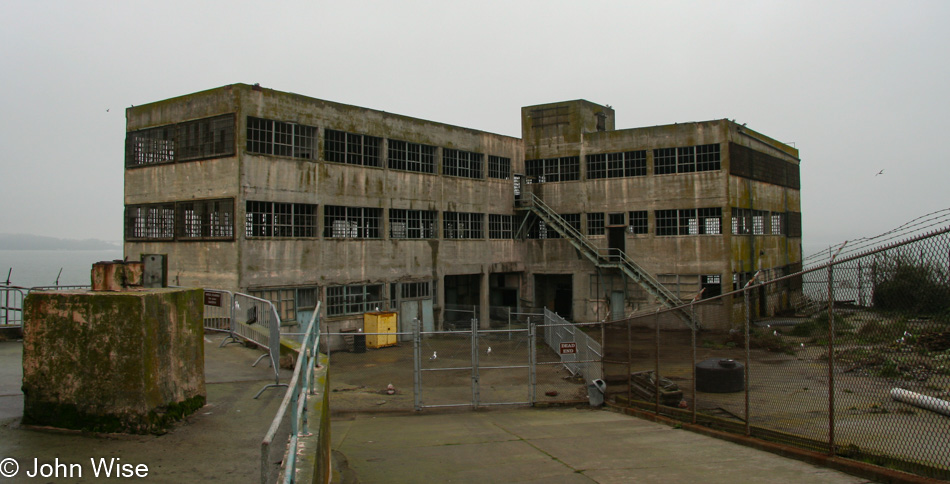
191	220
365	150
341	300
186	141
687	159
214	137
214	219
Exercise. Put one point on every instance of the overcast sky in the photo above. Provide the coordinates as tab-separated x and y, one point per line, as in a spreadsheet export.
858	87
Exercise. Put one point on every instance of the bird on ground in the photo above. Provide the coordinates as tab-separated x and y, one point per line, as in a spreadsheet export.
390	389
434	356
489	350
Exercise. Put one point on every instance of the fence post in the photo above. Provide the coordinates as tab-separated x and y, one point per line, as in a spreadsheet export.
475	396
416	365
656	370
831	352
748	353
692	314
532	362
831	359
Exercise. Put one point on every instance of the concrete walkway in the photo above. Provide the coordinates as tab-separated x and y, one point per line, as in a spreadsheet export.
562	445
219	443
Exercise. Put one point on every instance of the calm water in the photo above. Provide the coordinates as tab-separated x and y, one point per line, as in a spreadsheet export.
40	267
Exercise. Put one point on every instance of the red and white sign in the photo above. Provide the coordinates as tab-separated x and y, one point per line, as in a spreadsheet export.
568	348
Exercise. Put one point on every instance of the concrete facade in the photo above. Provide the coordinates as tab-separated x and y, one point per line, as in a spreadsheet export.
298	199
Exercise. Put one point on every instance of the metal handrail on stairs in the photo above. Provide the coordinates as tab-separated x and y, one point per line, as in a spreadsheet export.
610	258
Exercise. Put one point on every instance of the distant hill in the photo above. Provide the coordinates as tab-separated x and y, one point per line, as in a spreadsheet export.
38	242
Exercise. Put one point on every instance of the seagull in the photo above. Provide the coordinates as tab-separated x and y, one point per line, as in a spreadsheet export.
489	350
774	333
880	173
434	356
390	389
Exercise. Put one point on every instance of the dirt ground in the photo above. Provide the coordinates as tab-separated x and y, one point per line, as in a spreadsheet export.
359	381
789	393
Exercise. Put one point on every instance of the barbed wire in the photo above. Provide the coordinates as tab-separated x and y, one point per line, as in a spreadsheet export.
917	226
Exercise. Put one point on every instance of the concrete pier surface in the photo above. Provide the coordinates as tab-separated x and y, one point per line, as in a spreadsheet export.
221	442
562	445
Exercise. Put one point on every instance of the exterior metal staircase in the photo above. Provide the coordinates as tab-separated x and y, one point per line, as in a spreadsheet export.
606	258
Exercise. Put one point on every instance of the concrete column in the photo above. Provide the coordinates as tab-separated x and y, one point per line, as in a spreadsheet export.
483	301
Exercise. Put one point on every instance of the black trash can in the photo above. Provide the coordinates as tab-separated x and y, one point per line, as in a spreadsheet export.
359	343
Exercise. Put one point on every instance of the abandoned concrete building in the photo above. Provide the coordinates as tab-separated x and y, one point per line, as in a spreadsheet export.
296	199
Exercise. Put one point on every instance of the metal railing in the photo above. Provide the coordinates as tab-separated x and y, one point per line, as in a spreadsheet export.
11	302
864	374
608	258
295	400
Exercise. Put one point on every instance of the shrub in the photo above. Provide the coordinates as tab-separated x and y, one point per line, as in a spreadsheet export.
907	286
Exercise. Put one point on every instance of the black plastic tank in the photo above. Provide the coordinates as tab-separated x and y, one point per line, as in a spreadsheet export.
720	375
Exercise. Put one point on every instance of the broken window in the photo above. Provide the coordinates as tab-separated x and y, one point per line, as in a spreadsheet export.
411	156
550	170
415	290
499	167
412	224
758	222
353	299
712	285
461	163
205	219
269	137
273	219
463	225
617	165
778	223
638	222
500	226
710	220
150	222
351	222
741	221
354	149
595	223
552	116
191	140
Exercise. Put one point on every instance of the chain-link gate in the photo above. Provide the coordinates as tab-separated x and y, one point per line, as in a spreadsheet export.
498	365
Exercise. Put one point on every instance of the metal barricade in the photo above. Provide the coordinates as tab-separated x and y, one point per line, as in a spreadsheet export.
11	307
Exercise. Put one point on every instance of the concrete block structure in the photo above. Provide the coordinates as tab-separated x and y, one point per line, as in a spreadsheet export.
296	199
129	361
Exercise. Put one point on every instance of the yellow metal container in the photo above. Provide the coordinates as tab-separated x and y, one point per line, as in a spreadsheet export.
380	322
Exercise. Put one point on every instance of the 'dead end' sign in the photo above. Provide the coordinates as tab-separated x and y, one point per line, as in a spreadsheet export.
213	299
568	348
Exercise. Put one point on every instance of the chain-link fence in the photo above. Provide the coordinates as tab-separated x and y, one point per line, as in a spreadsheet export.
504	362
850	357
